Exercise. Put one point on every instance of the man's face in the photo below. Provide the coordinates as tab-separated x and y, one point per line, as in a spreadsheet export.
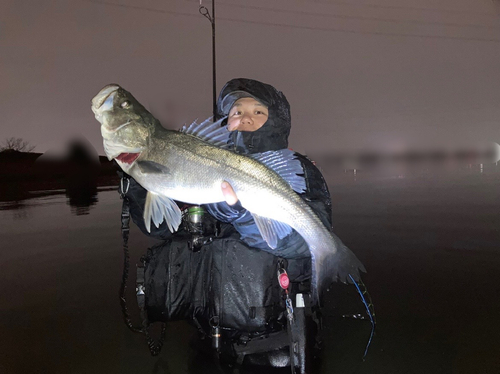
247	114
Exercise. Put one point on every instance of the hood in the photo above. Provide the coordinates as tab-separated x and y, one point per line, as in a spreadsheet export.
273	135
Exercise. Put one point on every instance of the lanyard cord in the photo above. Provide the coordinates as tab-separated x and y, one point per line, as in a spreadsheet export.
154	346
125	218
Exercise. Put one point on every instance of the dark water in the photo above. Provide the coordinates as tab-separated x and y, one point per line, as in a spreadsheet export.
430	244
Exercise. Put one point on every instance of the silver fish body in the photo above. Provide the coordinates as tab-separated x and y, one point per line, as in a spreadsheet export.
186	168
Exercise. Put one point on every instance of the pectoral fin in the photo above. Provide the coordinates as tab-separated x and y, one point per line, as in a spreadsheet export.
151	167
271	230
157	208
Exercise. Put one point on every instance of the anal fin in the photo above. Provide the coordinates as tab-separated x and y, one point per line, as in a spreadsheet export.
271	230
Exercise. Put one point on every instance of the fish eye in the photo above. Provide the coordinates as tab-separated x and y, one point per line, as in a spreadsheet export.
125	104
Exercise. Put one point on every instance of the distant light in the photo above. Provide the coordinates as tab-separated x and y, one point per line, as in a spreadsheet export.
497	152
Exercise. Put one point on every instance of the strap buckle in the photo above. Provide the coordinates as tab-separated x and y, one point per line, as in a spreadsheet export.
125	216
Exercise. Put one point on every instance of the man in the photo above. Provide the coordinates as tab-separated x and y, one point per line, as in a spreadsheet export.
218	270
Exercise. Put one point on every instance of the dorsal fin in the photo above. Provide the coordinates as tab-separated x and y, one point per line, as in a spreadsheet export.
286	165
209	131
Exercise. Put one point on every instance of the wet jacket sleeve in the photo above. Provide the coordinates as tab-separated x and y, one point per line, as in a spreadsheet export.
317	197
136	195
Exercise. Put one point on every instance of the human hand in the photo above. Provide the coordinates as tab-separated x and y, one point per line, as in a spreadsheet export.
229	194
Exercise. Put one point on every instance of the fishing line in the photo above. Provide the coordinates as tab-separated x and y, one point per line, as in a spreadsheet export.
361	18
368	311
400	7
312	28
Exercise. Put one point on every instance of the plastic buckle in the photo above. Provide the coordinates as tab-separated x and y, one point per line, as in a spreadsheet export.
125	218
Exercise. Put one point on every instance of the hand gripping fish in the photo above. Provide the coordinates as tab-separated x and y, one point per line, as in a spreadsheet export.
190	165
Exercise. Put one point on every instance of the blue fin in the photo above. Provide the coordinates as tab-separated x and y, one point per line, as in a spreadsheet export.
209	131
271	230
157	208
286	165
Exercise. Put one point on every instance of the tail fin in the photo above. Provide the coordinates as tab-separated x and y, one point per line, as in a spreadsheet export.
340	265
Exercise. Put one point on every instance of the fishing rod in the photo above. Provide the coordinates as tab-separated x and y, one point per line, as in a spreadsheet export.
211	17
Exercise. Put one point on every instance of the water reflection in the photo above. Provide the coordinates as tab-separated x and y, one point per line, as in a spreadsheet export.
78	175
79	170
81	191
12	196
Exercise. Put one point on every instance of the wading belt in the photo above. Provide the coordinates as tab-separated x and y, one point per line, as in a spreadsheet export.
154	346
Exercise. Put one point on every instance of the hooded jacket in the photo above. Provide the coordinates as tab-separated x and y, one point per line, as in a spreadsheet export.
273	135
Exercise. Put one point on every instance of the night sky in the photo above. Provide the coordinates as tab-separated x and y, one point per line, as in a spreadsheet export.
358	73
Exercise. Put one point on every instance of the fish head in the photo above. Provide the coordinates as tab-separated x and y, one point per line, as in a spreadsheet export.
125	124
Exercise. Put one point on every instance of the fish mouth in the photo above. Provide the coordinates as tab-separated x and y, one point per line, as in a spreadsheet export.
127	158
103	94
107	132
115	150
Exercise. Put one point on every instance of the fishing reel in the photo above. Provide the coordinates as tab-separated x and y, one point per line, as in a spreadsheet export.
201	225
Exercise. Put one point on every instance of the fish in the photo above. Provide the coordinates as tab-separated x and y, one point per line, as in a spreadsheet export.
190	165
